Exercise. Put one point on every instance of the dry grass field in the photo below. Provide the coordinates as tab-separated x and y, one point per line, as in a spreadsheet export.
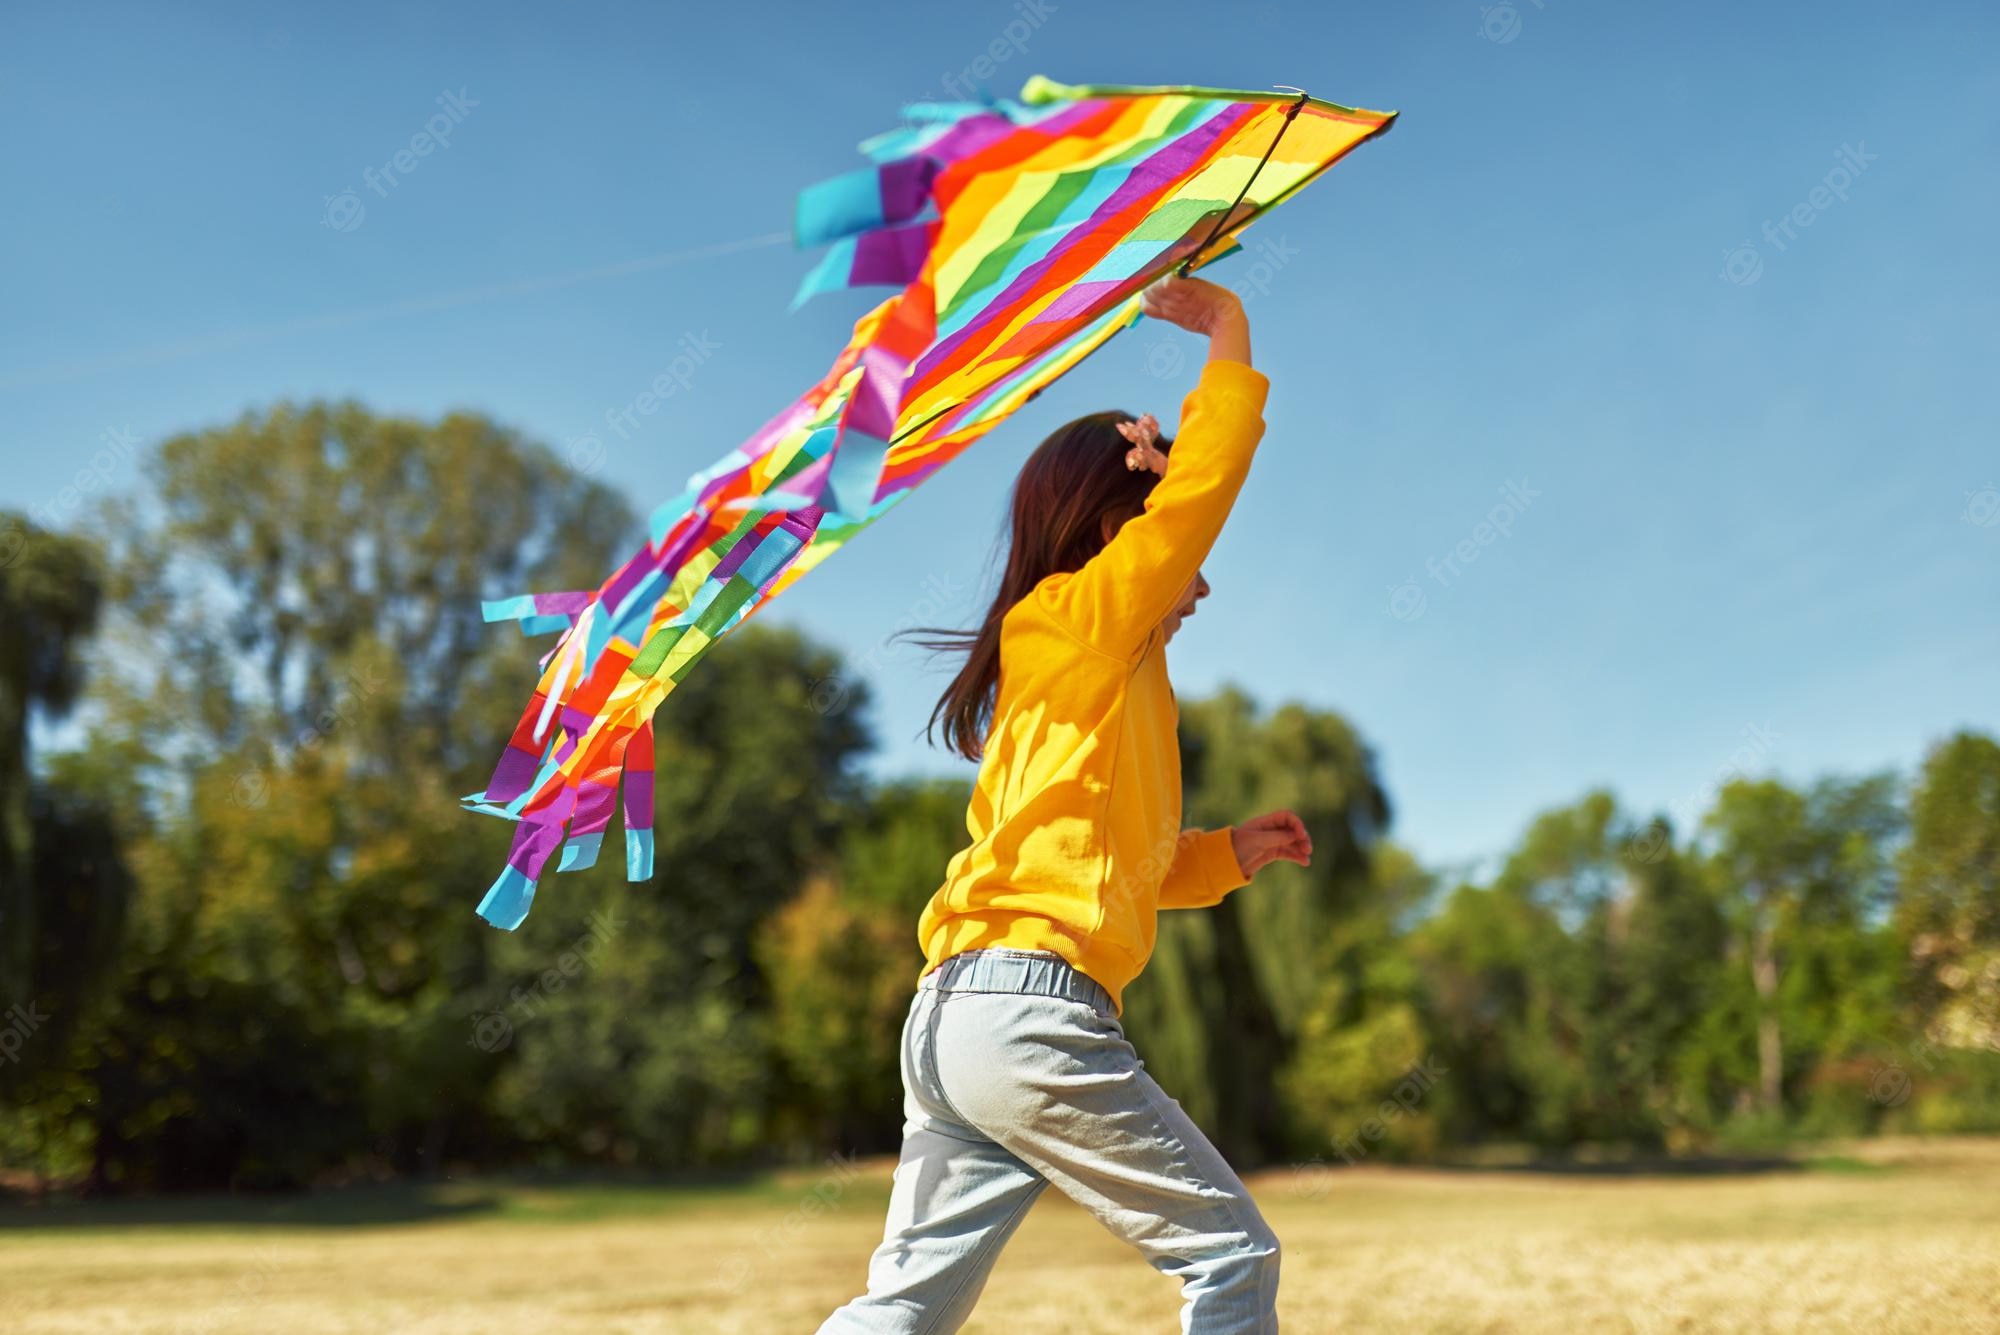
1898	1237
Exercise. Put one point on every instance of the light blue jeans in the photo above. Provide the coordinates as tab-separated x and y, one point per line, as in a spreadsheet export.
1016	1074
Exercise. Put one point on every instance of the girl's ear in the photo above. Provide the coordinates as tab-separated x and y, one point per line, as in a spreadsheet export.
1106	530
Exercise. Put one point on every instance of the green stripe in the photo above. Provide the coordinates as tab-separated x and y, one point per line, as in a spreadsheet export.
656	651
1039	91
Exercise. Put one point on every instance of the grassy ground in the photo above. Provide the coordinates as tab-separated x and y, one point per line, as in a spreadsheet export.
1886	1238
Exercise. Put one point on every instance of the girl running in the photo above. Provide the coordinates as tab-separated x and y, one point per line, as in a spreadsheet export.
1016	1070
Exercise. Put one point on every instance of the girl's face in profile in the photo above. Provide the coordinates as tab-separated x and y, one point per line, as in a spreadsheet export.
1196	590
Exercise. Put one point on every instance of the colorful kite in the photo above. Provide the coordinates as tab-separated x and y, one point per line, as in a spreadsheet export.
1021	235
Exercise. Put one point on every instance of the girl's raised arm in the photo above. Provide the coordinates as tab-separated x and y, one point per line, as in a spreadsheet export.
1127	589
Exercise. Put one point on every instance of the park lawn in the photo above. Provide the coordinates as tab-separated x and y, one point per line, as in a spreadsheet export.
1897	1237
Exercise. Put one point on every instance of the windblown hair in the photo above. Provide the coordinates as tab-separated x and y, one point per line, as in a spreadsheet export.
1072	484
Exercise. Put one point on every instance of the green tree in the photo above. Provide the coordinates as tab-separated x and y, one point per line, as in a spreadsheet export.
1223	1001
1788	863
62	882
1948	902
304	687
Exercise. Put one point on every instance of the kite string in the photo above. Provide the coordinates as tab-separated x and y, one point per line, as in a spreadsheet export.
1187	265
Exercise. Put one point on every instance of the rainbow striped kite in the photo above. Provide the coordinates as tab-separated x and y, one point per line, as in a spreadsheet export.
1020	236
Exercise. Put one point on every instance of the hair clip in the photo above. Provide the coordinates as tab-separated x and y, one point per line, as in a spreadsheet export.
1144	454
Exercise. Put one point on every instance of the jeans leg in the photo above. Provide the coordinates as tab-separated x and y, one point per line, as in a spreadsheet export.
957	1198
1056	1082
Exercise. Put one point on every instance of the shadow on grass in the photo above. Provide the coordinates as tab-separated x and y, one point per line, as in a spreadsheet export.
535	1198
1641	1166
344	1207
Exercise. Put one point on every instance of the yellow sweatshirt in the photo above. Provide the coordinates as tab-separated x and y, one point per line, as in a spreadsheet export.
1075	818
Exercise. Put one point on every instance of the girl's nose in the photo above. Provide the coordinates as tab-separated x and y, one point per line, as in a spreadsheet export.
1200	586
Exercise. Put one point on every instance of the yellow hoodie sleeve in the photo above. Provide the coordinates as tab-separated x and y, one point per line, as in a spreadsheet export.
1204	870
1123	592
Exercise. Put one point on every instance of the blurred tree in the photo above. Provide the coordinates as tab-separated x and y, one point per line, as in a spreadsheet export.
1948	905
659	1049
1365	1034
1786	862
1227	993
300	685
62	884
843	960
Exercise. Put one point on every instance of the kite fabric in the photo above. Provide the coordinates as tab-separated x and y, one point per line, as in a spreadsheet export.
1021	235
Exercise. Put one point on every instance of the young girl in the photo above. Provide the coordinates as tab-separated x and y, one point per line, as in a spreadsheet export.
1016	1071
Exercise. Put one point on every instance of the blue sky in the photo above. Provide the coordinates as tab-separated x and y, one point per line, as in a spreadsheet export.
1752	521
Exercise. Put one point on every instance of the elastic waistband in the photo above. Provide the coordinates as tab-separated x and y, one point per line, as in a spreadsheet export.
1031	972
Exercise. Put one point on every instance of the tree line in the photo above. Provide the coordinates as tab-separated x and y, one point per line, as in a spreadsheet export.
237	947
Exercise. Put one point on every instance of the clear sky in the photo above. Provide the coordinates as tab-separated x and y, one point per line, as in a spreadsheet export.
1711	286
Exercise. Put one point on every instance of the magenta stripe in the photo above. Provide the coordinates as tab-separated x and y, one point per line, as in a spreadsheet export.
892	255
638	799
540	836
512	775
594	804
1156	173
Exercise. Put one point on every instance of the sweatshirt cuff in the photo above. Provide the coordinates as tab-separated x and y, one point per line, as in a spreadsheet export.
1236	380
1219	867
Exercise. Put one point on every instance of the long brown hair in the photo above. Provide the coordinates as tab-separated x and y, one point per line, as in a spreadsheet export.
1072	484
